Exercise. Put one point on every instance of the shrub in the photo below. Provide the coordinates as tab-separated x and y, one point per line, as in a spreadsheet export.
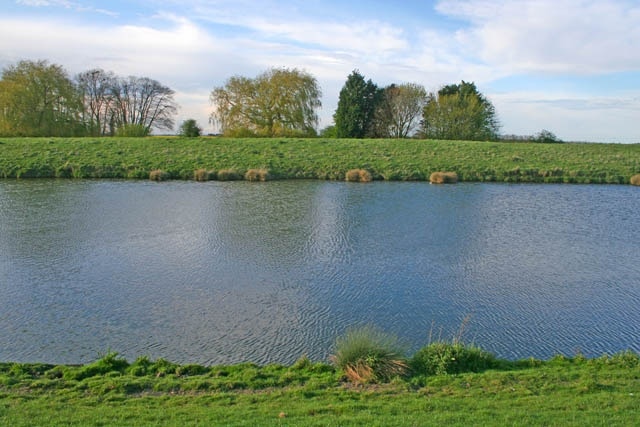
367	354
202	175
228	175
439	358
358	175
635	179
443	178
132	130
257	175
190	129
158	175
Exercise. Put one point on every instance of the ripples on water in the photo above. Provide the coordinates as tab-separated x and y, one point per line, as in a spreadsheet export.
228	272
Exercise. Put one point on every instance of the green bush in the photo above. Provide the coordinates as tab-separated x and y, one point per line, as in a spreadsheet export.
190	129
439	358
366	354
132	130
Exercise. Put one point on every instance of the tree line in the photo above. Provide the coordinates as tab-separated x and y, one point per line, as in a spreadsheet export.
41	99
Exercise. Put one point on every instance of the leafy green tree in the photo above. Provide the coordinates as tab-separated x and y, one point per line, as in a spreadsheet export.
278	102
39	99
399	110
355	115
459	112
190	129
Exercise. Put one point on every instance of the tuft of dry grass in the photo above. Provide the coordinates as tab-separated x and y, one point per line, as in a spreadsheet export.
443	178
358	175
158	175
256	175
635	179
203	175
228	175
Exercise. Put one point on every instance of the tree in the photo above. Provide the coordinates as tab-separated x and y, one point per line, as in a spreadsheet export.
189	128
546	137
96	89
278	102
354	116
399	110
143	102
459	112
38	99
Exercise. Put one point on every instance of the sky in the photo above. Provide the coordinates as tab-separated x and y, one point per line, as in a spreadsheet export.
568	66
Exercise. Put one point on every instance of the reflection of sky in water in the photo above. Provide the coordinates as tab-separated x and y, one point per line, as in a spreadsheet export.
226	272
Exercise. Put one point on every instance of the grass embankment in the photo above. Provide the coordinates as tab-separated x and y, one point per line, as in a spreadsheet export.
561	391
227	158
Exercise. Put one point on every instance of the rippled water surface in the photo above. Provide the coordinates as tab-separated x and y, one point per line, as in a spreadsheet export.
228	272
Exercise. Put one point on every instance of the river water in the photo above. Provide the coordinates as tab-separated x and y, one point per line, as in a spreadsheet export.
226	272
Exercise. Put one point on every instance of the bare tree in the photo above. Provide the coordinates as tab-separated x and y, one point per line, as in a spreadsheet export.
143	102
96	89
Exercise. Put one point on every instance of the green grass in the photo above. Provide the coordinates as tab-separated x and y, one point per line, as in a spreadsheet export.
317	158
561	391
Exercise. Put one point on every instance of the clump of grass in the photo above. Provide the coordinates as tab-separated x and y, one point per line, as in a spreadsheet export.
158	175
358	175
443	178
367	355
228	175
635	179
254	175
203	175
441	358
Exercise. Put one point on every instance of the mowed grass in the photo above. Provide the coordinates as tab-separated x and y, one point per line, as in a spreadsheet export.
318	158
562	391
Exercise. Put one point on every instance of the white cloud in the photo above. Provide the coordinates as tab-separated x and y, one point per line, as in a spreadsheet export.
569	36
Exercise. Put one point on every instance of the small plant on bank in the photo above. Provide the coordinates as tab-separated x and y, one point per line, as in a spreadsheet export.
158	175
358	175
255	175
442	358
635	179
203	175
367	355
443	178
228	175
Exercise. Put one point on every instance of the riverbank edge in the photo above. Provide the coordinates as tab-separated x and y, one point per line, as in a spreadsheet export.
213	158
562	390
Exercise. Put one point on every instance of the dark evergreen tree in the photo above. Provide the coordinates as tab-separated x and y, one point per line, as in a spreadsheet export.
354	117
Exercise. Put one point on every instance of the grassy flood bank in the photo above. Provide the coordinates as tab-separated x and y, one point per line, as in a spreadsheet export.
384	159
111	391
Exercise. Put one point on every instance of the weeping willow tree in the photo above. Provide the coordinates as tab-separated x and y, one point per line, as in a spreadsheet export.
278	102
39	99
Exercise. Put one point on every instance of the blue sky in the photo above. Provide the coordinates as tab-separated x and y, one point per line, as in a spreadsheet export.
569	66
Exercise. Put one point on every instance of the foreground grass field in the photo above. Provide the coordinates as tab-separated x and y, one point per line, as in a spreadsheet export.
210	158
111	392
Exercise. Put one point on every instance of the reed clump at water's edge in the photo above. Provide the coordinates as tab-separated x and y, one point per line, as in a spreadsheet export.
318	158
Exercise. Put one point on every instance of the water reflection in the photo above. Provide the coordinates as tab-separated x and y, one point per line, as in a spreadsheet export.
227	272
